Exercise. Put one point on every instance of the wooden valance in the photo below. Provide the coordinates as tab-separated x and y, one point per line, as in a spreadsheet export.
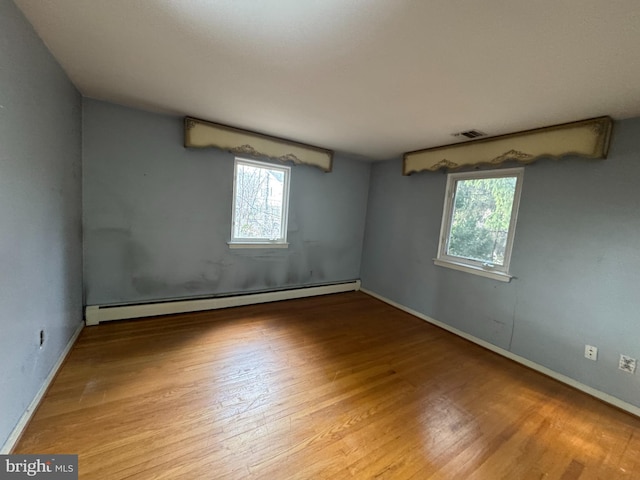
203	134
586	138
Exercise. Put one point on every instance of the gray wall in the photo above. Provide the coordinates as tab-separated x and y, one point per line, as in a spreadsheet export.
576	258
157	216
40	219
157	219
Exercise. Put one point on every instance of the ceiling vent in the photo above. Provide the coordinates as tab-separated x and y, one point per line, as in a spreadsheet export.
470	134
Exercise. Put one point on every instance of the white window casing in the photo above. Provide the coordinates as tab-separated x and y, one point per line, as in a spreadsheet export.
260	204
466	263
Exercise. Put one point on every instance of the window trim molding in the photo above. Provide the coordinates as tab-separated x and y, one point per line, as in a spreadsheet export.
258	244
495	272
241	242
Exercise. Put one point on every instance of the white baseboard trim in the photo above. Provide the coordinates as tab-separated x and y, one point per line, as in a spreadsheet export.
28	413
94	314
605	397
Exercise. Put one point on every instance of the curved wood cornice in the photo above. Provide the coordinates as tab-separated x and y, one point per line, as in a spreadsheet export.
586	138
203	134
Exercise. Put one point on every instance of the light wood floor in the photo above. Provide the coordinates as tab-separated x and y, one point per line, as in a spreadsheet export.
340	386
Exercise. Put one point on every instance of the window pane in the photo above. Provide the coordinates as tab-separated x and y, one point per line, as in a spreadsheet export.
480	219
259	202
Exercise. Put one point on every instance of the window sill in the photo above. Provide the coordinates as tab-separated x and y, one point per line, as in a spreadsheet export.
500	276
258	244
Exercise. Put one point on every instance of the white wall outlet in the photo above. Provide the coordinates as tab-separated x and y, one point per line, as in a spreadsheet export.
591	352
627	364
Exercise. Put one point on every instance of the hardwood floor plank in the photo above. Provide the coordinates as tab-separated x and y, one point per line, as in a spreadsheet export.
339	386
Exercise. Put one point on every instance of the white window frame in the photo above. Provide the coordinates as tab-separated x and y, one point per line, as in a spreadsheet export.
496	272
281	242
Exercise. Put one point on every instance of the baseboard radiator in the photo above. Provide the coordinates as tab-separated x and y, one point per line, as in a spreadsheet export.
95	314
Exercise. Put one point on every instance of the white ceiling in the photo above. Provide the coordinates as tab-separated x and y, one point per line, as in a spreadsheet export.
374	78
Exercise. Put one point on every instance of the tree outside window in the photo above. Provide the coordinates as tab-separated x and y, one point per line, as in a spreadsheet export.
261	192
479	220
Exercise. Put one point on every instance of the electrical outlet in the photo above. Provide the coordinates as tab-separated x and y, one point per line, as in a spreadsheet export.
591	352
627	364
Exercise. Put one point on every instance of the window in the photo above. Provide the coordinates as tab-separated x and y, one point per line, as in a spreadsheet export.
260	204
479	222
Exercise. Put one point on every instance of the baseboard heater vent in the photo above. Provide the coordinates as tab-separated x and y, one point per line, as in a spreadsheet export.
94	314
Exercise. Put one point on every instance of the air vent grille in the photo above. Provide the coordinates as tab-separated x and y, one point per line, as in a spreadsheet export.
470	134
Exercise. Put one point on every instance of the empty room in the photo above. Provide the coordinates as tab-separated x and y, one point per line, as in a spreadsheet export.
281	239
